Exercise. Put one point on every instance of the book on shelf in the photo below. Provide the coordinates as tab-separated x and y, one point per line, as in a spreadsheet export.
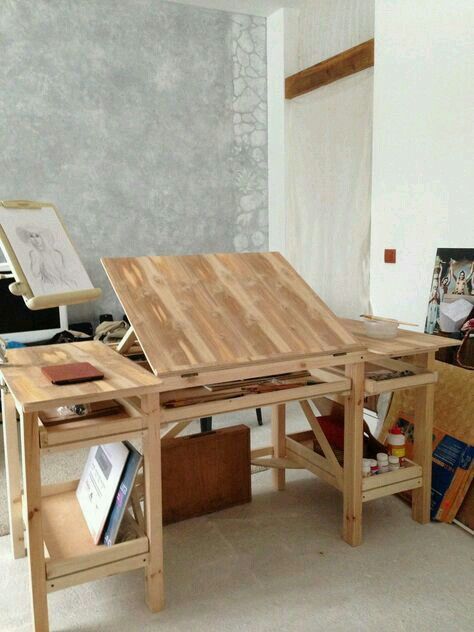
98	485
122	497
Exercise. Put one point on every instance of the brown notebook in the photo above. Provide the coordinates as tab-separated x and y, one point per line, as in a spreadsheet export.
71	373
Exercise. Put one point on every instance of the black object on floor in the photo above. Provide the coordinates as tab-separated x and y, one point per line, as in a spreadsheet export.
206	424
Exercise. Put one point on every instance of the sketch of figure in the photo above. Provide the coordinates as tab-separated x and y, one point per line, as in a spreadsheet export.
47	262
460	280
471	278
433	308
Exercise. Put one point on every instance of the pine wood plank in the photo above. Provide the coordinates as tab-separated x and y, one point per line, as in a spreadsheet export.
279	445
353	447
197	312
33	515
154	580
342	65
407	343
13	475
33	391
423	442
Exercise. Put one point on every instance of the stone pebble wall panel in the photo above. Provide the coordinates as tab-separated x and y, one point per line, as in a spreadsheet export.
250	132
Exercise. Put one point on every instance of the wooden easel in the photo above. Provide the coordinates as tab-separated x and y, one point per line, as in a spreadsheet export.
21	287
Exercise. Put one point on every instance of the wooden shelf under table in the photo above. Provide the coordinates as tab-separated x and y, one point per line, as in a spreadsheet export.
88	432
407	477
420	377
71	555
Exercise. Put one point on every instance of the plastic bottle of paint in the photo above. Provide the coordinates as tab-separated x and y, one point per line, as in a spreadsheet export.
382	462
396	443
393	463
374	468
365	468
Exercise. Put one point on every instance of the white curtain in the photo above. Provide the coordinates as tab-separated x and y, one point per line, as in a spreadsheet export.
329	162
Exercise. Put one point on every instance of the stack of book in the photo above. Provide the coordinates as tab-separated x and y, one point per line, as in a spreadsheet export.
105	489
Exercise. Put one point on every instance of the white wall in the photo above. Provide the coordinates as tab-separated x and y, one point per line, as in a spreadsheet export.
282	48
422	196
252	7
329	142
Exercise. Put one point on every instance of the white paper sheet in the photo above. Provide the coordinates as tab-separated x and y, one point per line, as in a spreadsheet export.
44	251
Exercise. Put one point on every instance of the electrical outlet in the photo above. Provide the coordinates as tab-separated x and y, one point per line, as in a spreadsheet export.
390	255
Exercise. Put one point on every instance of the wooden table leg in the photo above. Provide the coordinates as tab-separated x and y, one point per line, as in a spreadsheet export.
13	475
153	504
34	527
353	451
423	441
278	441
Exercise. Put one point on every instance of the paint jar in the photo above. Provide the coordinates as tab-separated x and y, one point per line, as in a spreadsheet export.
365	468
396	443
374	468
393	463
382	462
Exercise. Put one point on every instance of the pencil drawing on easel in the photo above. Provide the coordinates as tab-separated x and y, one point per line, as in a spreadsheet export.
46	261
44	251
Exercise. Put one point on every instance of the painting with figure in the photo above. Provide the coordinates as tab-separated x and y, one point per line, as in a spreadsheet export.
45	253
453	277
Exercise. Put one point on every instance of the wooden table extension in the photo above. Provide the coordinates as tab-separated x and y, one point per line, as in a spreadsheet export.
61	552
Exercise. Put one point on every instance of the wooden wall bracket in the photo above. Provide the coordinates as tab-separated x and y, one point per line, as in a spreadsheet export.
343	65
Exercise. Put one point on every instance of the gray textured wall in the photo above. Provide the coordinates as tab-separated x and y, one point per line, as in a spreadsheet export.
143	121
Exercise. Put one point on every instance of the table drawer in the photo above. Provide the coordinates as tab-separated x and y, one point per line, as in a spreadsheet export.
400	371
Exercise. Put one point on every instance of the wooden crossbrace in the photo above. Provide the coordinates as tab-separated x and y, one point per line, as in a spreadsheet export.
323	442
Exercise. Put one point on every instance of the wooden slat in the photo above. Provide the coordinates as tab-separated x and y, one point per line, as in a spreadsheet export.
34	520
101	555
353	449
257	369
276	462
342	65
407	343
423	443
13	474
311	461
260	452
412	470
154	579
395	488
176	429
192	313
248	401
97	428
127	341
323	442
278	441
106	570
87	443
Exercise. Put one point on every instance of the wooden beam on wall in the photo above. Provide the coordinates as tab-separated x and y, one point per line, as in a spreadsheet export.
346	63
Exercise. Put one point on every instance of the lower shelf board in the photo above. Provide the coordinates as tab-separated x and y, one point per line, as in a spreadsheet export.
407	477
69	545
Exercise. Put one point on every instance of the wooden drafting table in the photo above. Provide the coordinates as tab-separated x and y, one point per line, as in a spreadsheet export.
213	319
